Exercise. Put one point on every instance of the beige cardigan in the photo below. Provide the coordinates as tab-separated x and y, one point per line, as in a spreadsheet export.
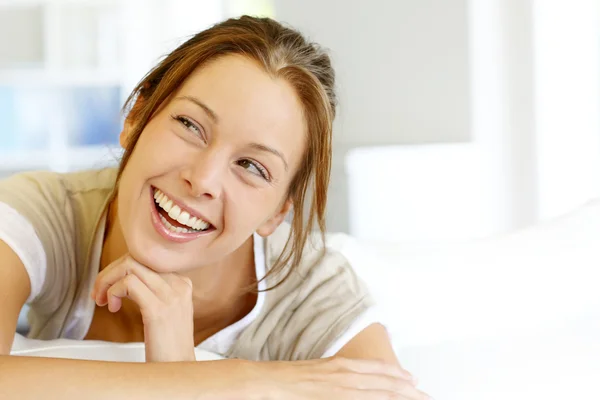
299	320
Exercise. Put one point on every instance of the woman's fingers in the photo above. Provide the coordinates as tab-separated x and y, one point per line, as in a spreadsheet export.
120	269
342	378
165	303
107	277
402	388
378	395
373	376
132	287
372	367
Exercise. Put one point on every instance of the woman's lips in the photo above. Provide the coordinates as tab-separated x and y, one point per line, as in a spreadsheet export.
165	232
180	208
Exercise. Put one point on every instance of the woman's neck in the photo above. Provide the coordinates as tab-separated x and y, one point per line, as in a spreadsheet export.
219	289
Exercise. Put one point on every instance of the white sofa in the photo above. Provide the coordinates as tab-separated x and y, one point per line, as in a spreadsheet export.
512	317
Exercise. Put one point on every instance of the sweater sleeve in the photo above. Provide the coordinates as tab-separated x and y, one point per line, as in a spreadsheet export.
319	307
40	230
19	234
329	303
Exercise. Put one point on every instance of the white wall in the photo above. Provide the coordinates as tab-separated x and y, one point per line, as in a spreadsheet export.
535	85
518	79
23	22
567	103
403	74
402	66
156	27
502	118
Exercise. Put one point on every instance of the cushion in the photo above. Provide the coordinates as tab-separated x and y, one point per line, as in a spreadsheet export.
89	350
531	280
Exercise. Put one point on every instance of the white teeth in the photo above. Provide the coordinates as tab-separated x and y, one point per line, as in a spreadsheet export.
176	213
163	202
183	218
168	224
202	225
172	228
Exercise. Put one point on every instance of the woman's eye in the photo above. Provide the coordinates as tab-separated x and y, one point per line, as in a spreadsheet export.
189	125
254	168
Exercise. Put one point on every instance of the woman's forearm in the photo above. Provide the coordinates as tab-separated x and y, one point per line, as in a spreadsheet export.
37	377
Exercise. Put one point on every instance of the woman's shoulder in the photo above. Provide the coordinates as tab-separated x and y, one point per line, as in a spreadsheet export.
60	205
318	249
324	259
312	307
61	194
51	200
51	184
57	214
83	181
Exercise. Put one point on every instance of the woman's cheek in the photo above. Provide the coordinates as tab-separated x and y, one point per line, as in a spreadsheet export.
243	213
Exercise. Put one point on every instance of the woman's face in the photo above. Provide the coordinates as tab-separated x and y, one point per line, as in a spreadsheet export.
219	158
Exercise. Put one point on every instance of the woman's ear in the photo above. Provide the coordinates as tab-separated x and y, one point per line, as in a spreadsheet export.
125	133
129	123
272	223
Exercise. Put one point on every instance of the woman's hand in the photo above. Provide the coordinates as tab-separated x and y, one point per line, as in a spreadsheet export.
333	378
165	301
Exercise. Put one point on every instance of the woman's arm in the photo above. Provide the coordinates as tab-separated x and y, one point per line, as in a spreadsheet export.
37	377
339	378
14	291
326	379
373	343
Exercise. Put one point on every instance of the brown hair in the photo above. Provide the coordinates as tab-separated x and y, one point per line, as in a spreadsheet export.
284	53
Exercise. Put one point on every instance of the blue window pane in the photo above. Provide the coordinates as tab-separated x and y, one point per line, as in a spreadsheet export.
8	128
25	118
93	115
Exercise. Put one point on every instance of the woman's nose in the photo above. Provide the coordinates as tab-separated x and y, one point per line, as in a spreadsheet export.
204	177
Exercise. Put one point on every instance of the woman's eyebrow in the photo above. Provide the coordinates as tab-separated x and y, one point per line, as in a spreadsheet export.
200	104
262	147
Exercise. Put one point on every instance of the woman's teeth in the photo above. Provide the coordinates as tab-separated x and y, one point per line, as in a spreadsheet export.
183	217
175	229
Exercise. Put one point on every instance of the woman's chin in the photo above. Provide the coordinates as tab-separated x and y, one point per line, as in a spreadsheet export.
163	261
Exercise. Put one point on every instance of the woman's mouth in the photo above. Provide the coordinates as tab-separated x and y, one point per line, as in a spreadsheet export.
176	224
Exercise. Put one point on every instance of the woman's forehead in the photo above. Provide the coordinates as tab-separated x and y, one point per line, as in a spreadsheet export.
234	84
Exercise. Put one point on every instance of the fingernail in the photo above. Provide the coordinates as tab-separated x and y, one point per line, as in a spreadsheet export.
110	305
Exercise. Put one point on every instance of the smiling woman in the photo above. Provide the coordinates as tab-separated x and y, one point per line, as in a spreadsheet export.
222	173
184	246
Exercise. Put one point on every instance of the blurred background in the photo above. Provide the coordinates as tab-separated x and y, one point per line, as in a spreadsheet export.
459	120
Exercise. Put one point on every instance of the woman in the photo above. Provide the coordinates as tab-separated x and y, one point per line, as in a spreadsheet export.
185	244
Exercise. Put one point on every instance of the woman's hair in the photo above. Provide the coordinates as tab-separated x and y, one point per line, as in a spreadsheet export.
283	53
